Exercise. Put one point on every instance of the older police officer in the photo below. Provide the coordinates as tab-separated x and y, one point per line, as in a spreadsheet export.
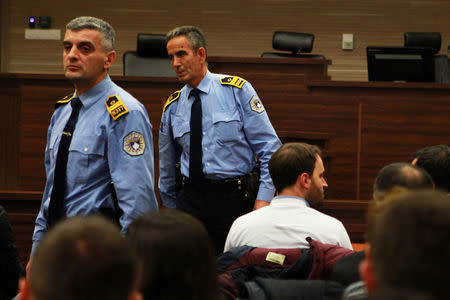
99	154
215	127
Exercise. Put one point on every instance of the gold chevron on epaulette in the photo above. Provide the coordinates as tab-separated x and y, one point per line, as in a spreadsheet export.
171	99
115	107
232	80
64	100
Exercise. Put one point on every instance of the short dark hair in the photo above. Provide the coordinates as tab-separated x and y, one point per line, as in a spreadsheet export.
291	160
401	175
83	258
436	161
177	256
409	243
193	34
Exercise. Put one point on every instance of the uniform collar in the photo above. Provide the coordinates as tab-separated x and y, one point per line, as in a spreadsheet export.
280	200
204	86
91	97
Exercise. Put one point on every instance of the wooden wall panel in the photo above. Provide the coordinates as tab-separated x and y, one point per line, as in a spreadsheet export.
9	133
235	28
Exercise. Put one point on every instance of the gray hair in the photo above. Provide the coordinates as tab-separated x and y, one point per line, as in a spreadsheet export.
193	34
103	27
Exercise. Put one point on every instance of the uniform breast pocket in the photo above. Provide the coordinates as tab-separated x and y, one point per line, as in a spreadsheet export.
87	159
181	129
227	127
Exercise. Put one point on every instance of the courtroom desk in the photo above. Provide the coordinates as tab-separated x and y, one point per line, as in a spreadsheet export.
313	68
393	120
360	126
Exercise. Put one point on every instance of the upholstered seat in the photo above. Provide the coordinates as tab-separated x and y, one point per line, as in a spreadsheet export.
296	43
431	40
149	59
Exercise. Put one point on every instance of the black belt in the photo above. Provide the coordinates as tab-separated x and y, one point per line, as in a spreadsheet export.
237	183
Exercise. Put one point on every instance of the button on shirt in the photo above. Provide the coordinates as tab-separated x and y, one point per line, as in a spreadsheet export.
233	133
97	158
286	223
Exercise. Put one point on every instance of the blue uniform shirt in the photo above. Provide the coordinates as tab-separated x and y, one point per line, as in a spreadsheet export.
235	129
102	151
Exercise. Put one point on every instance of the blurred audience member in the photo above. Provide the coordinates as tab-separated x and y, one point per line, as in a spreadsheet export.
83	258
436	161
10	266
177	257
407	245
402	175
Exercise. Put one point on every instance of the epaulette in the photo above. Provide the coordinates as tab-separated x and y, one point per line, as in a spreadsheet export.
174	97
115	107
232	80
64	100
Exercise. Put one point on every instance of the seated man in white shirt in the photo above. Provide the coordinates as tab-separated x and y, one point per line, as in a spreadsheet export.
297	172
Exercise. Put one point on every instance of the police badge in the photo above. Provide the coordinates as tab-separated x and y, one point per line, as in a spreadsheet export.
256	105
134	143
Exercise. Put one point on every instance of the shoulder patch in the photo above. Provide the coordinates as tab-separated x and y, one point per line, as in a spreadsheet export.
134	143
232	80
64	100
115	107
256	105
171	99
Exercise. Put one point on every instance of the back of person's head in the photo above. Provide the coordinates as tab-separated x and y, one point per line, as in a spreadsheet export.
436	161
83	258
409	246
193	34
291	160
401	175
177	256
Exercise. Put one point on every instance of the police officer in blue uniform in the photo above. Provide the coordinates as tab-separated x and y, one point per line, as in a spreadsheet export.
234	130
109	161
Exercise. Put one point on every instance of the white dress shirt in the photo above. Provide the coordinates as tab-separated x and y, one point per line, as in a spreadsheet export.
286	223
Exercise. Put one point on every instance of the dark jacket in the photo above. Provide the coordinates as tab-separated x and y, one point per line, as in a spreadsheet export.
245	263
10	267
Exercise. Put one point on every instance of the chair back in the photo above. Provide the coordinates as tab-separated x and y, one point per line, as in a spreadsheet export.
150	57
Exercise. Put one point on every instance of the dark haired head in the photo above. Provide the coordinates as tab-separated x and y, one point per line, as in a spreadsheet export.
177	256
291	160
401	175
83	258
409	245
436	161
193	34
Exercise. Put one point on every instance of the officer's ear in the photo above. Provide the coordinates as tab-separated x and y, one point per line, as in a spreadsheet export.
201	52
110	57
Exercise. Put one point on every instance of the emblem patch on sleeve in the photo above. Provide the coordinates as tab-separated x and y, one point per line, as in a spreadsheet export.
256	105
134	143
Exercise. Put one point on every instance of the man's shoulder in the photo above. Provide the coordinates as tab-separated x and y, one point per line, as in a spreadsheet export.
323	217
125	97
172	100
225	80
119	102
254	216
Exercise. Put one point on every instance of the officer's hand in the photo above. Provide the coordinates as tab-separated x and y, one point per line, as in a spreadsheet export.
260	203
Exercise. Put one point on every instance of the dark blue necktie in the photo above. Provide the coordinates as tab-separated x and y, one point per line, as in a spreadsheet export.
56	206
195	157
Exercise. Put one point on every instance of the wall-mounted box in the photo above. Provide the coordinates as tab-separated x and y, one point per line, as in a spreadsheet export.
42	34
